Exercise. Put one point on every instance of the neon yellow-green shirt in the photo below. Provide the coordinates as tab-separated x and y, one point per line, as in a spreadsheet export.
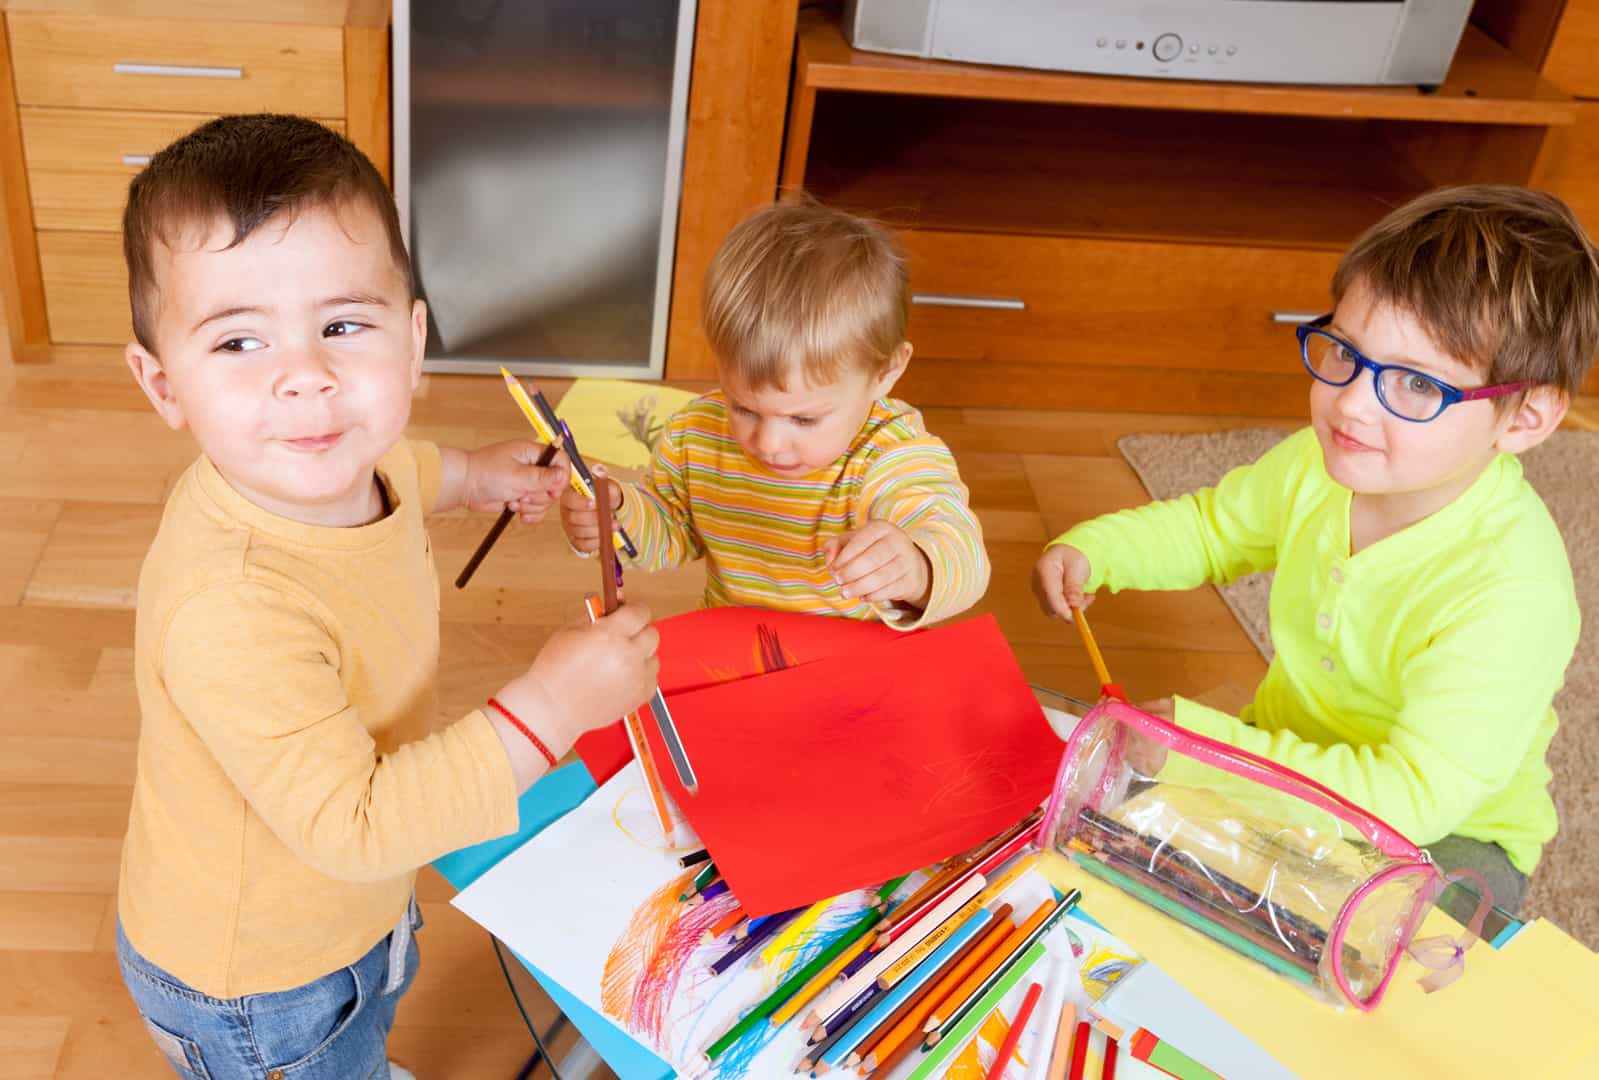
1414	677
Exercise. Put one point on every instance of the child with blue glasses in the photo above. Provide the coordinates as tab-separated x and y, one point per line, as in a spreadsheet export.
1423	610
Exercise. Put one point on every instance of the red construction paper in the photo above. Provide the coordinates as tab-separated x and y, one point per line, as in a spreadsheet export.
714	645
847	771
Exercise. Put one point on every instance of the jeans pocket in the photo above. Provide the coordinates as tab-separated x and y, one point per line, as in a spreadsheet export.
295	1029
182	1054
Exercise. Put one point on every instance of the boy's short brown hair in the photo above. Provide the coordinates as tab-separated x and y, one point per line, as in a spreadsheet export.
244	169
1502	277
805	286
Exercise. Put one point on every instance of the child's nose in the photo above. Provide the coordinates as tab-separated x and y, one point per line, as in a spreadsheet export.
768	440
1358	398
305	373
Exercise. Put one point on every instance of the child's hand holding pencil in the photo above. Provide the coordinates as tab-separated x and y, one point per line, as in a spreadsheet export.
1058	580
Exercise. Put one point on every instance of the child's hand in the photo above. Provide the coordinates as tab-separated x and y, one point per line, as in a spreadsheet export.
581	520
881	564
586	677
1058	580
504	475
1143	753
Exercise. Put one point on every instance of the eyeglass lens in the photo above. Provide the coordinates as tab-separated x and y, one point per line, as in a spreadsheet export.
1405	393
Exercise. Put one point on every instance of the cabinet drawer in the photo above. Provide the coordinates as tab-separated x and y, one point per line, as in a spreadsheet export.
1063	301
80	160
85	288
174	65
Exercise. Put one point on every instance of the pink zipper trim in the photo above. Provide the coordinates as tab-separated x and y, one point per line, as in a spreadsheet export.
1387	839
1346	915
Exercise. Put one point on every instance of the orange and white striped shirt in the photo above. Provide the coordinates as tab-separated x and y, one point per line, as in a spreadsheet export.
762	536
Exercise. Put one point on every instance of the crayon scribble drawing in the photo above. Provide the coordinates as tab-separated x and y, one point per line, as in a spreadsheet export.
975	1060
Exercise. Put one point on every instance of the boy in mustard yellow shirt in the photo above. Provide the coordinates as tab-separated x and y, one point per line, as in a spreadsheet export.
1423	609
292	772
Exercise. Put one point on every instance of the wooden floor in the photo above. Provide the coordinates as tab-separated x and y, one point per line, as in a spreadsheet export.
84	466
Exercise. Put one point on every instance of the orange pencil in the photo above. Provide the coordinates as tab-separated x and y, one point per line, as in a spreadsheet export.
1060	1058
730	920
890	1047
954	1001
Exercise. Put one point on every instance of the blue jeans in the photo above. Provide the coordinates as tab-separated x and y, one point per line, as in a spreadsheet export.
334	1028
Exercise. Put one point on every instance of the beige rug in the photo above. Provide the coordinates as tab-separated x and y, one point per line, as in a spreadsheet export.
1562	470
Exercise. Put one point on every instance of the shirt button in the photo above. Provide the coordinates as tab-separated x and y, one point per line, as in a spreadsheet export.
1337	575
1327	663
1324	620
275	1074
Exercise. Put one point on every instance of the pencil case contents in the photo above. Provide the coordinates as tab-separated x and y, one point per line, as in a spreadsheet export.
1256	856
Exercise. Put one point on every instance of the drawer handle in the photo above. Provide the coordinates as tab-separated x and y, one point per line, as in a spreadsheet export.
136	159
1294	317
179	71
997	303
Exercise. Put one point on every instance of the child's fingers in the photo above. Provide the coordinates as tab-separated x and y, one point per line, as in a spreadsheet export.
885	586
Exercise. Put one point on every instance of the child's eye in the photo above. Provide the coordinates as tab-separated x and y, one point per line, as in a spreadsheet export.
343	328
241	344
803	421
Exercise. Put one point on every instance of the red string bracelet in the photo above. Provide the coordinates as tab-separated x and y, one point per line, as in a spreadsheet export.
523	728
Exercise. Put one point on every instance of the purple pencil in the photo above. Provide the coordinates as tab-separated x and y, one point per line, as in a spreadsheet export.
756	936
710	892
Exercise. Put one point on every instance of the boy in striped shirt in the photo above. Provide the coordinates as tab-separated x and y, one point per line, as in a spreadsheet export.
802	484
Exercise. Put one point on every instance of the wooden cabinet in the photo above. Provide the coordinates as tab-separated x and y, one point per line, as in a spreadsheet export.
85	99
1127	243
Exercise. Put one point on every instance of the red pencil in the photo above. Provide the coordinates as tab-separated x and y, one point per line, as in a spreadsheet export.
1108	1070
1014	1035
1079	1051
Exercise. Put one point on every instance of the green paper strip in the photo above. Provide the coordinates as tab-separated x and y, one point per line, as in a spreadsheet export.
1168	1058
793	983
1192	919
940	1054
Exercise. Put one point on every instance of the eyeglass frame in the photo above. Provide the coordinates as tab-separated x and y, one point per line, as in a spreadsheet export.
1451	395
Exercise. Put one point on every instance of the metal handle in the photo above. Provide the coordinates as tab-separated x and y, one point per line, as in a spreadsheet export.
179	71
998	303
1294	317
136	159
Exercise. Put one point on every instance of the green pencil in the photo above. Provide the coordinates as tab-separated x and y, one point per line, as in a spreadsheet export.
1191	918
794	983
701	879
941	1053
888	889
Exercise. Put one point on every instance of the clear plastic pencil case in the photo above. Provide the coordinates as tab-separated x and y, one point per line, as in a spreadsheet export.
1256	856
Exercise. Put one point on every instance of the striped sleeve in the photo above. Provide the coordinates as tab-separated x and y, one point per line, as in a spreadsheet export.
656	512
916	486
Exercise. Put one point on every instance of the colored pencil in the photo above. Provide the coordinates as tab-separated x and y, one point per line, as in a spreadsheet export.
967	992
1008	878
1106	686
744	946
959	892
728	921
940	1055
1079	1050
823	979
884	958
938	882
546	456
907	988
1060	1057
793	983
887	891
827	1038
793	930
894	1042
1192	918
710	892
1107	1070
984	859
924	948
693	858
1014	1036
1031	938
633	725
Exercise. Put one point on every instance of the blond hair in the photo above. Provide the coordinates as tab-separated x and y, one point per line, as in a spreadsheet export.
805	287
1502	277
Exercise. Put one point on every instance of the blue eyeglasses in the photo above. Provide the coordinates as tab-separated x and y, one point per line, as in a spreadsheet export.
1407	393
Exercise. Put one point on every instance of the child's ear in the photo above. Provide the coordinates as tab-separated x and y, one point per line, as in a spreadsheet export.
419	339
152	379
1534	420
897	362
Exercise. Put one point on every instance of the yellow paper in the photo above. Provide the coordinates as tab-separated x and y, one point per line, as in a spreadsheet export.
614	421
1522	1011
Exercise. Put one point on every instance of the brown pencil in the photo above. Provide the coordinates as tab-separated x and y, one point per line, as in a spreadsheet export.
546	456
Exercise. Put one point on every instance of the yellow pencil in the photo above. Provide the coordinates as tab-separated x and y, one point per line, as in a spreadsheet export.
1005	880
790	933
822	981
1106	686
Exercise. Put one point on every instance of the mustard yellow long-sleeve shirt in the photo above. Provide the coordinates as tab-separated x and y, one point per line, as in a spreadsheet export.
1414	677
292	770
